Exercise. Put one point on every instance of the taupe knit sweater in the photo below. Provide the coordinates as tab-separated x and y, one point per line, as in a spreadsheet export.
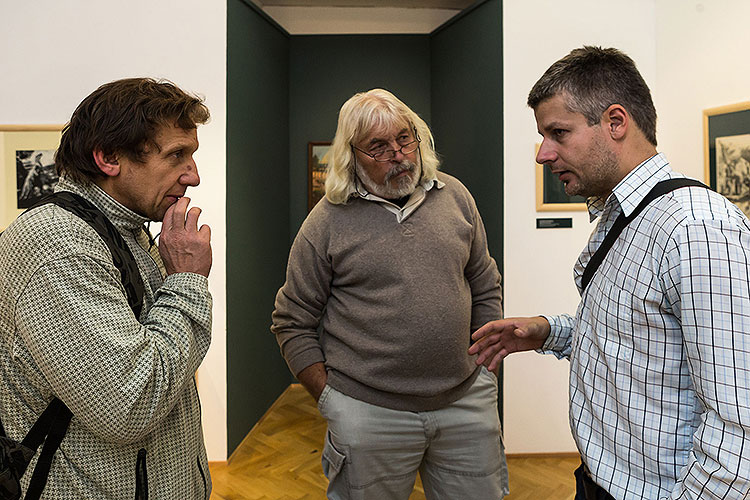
395	303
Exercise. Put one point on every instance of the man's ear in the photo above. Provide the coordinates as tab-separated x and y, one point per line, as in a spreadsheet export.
108	164
616	120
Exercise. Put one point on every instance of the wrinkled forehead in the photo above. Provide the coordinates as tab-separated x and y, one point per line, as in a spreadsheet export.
381	123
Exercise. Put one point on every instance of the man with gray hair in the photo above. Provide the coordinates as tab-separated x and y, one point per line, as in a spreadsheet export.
387	278
659	348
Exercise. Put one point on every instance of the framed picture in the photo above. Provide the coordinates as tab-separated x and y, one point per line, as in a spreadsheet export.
317	162
726	152
27	167
550	192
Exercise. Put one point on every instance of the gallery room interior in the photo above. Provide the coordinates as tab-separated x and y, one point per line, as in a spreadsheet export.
274	75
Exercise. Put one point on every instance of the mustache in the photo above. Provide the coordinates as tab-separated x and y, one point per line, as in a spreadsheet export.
404	166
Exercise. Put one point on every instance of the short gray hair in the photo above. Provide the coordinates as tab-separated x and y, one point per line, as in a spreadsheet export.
591	79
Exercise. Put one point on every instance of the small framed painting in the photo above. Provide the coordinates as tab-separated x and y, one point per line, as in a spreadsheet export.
27	167
726	152
550	192
317	163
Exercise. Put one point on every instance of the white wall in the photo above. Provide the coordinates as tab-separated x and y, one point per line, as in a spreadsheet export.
701	63
53	54
539	262
690	53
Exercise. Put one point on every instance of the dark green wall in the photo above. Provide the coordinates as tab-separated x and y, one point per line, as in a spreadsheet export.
283	92
326	70
467	109
257	212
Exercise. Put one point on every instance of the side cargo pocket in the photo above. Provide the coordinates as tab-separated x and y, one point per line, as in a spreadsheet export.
333	468
141	477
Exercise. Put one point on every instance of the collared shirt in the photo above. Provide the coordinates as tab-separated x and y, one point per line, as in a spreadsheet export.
414	201
660	346
66	330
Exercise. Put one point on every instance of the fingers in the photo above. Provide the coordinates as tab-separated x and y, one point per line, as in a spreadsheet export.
205	231
174	217
491	327
191	221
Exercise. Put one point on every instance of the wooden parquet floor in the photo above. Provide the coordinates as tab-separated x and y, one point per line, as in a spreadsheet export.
280	460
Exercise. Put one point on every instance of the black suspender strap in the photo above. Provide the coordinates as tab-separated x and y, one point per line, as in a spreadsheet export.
658	190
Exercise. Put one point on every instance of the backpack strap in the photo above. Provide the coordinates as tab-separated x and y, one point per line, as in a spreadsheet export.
658	190
122	257
52	424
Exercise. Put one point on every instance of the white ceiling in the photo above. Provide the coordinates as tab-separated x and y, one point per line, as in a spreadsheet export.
417	4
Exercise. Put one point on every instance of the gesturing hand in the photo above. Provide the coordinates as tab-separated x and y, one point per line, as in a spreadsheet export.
496	339
182	246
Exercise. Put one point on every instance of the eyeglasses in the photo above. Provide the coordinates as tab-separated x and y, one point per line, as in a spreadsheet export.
389	154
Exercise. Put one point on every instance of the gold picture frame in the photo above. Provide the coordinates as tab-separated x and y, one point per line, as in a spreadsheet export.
27	170
317	163
726	152
550	192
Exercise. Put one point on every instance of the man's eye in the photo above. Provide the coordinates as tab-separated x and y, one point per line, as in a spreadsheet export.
178	154
558	133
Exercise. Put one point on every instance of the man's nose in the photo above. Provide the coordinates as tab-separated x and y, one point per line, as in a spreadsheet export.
191	177
546	153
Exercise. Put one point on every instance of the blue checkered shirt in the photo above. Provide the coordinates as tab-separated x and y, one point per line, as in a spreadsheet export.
660	346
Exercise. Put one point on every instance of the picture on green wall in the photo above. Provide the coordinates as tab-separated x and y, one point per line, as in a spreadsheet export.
550	192
317	162
726	152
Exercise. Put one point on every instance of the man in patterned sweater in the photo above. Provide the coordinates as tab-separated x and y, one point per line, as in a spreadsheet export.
660	346
386	280
66	328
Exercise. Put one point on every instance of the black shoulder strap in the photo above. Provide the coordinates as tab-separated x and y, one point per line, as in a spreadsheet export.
53	423
658	190
121	255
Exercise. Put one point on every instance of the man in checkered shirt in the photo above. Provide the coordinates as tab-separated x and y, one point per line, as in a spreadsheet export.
66	328
660	346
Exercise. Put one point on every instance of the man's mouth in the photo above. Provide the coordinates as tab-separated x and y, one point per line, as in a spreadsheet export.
399	171
563	175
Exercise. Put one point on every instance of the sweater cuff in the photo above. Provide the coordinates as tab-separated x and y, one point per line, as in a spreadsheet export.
305	358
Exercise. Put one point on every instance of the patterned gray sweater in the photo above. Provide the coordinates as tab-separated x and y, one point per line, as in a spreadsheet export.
66	330
396	303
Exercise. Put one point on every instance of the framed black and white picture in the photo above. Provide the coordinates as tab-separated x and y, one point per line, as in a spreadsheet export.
27	167
726	151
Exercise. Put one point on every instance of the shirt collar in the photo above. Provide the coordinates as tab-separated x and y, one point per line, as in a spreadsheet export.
118	214
631	190
415	200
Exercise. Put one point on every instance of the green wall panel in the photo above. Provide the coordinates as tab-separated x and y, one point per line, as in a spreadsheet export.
284	91
467	109
257	212
467	112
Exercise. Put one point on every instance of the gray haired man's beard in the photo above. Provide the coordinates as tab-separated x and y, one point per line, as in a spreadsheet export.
404	186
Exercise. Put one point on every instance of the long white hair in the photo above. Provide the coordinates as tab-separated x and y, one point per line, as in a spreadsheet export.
376	109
